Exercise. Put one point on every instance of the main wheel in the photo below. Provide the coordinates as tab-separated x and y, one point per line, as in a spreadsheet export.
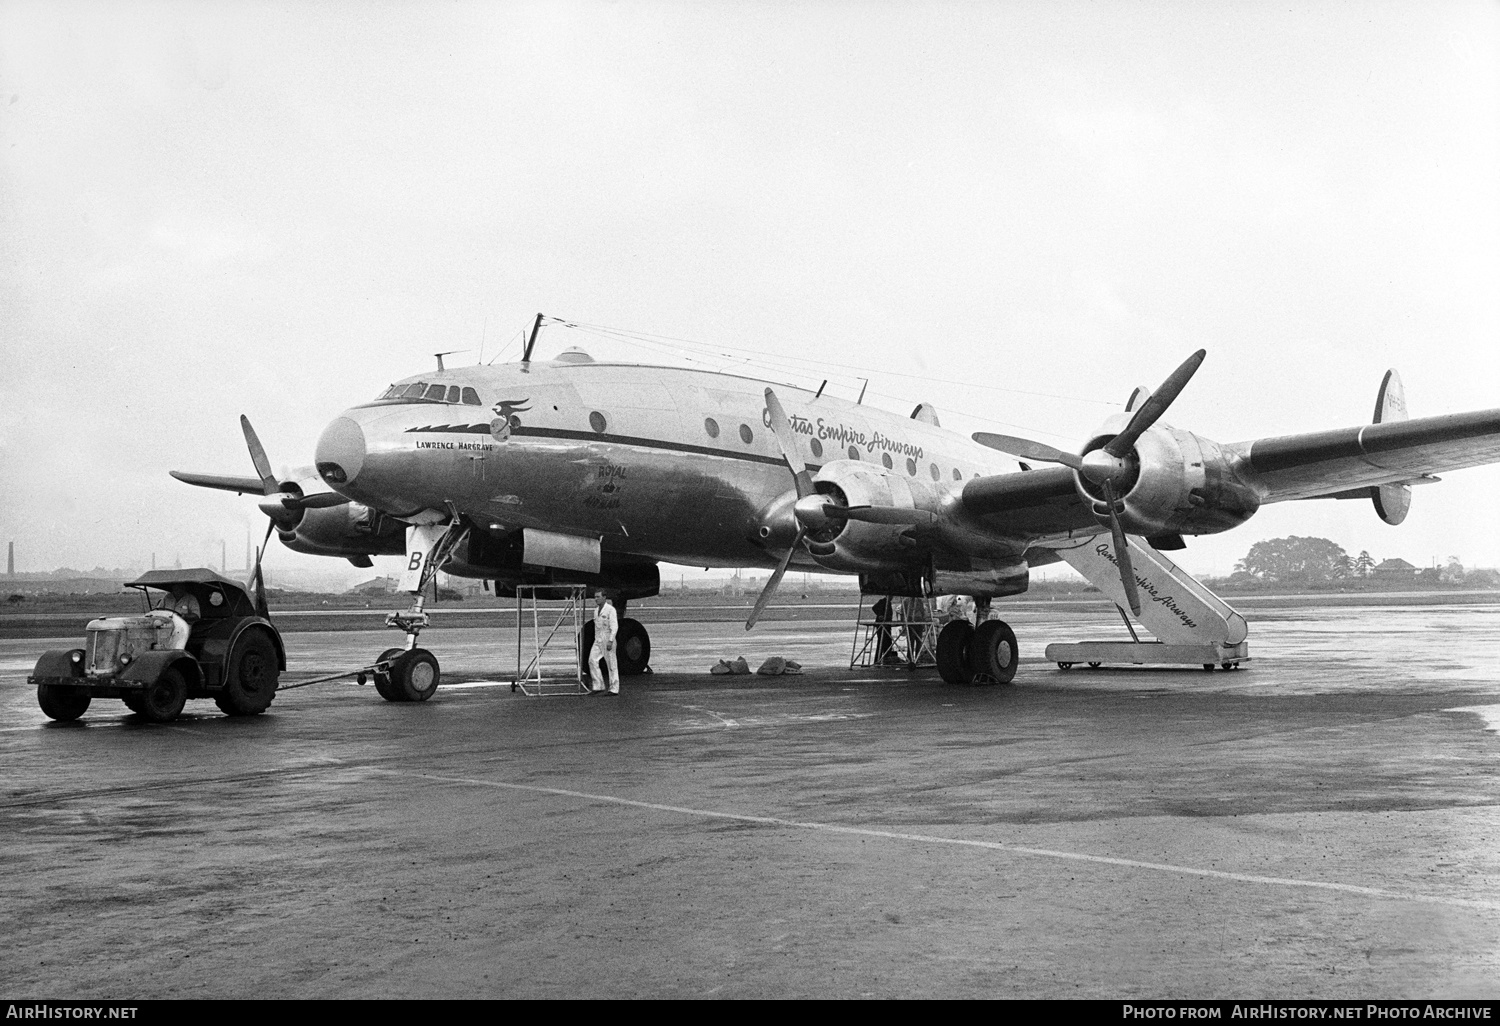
955	652
62	702
415	675
585	646
250	680
163	699
632	648
994	650
383	686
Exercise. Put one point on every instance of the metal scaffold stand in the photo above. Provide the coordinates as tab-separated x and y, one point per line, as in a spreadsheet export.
904	636
555	664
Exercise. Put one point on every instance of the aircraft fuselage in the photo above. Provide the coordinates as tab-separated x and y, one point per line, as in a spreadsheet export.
658	462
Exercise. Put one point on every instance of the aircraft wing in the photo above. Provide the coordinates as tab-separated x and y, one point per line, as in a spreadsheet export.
1305	466
1326	462
1041	501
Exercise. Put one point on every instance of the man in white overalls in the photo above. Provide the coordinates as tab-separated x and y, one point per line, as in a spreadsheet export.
606	626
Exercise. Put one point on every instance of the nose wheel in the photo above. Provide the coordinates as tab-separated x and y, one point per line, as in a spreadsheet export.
411	675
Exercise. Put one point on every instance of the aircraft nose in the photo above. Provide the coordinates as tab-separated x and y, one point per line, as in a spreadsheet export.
341	452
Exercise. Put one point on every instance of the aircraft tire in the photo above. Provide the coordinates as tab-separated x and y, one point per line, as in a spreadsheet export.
415	676
632	648
163	699
250	684
62	703
383	686
994	651
585	646
955	652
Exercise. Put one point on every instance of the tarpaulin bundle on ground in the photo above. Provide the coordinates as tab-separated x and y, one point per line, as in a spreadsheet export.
773	667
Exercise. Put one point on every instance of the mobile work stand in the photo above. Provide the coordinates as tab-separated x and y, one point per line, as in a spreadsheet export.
906	637
546	673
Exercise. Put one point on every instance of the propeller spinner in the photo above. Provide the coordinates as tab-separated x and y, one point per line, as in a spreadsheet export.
1112	467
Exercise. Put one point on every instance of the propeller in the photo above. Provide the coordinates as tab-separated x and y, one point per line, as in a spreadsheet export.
1115	464
282	503
786	440
814	511
1028	450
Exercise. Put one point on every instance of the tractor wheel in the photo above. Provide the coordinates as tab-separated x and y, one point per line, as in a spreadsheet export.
250	680
163	699
62	702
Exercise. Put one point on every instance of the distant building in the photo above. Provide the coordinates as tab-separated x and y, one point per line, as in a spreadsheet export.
376	586
1395	570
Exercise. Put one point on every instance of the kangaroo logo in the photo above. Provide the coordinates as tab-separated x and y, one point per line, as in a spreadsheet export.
506	407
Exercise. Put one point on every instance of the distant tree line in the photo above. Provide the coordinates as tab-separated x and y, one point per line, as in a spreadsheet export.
1319	563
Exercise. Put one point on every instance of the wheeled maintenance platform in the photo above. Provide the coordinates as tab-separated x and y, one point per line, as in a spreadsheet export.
1147	653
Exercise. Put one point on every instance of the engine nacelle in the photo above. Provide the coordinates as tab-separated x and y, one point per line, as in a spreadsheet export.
352	529
500	557
857	546
1185	484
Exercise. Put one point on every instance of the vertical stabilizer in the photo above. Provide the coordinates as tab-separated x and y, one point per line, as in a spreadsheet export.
1392	501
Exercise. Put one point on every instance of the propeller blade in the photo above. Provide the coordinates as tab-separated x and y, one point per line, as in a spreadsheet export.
770	588
1155	406
318	500
268	483
1122	551
220	481
898	515
261	606
1027	449
786	439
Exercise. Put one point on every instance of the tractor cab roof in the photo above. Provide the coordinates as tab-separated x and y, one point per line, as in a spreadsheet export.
233	599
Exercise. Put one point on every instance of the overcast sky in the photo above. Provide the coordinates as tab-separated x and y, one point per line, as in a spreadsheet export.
1015	211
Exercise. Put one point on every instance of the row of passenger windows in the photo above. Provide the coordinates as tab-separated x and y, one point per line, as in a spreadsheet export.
469	397
434	393
747	436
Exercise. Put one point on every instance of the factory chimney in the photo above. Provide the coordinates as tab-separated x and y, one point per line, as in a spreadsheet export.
10	561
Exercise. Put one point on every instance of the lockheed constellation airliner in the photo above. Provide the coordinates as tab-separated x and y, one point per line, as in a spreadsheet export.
572	471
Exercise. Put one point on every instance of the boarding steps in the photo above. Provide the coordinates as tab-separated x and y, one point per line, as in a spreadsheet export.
1191	624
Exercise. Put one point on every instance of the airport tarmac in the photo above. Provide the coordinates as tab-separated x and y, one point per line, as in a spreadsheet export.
1323	823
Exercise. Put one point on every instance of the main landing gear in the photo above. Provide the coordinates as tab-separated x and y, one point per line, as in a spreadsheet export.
986	654
632	645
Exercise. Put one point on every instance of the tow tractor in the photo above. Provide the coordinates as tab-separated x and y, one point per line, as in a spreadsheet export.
200	636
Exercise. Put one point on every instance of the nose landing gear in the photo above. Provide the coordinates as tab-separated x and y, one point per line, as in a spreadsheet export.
412	674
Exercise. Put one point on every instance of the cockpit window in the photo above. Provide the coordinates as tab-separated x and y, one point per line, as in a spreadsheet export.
453	394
